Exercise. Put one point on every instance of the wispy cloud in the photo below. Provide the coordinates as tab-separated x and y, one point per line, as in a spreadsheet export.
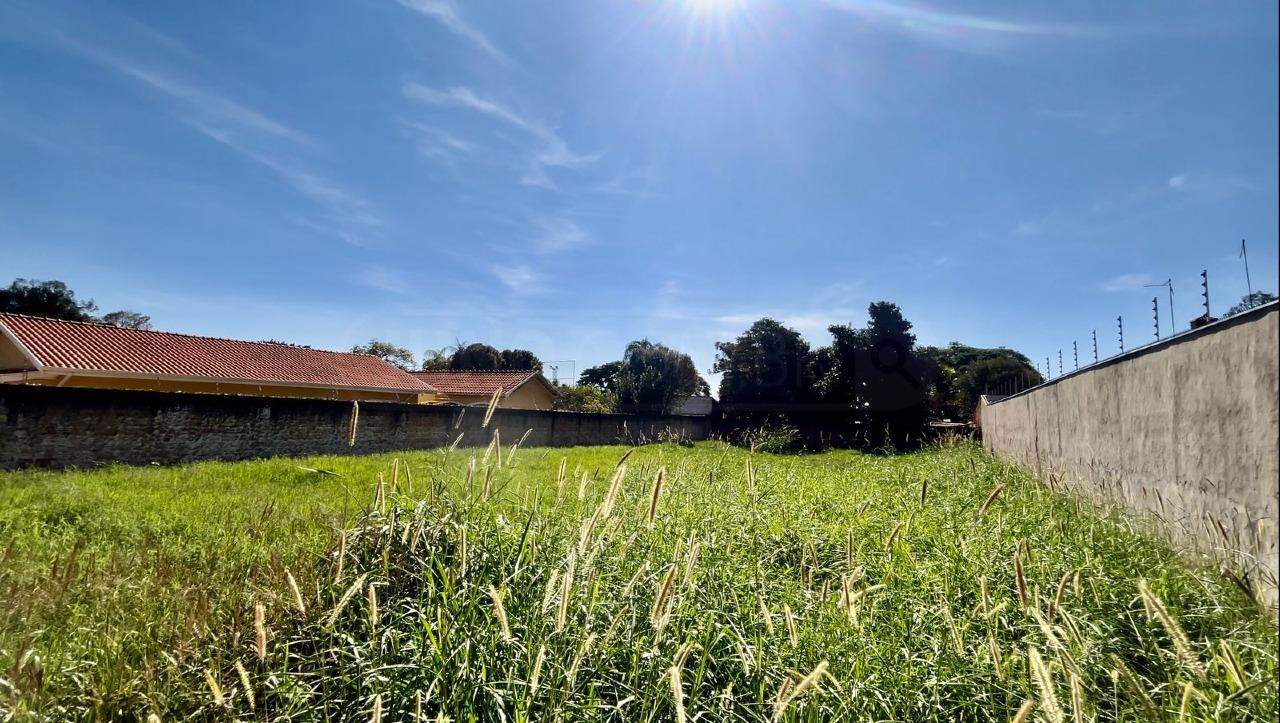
249	132
519	278
550	149
955	30
210	105
557	233
1210	185
1127	282
437	143
349	215
383	279
446	13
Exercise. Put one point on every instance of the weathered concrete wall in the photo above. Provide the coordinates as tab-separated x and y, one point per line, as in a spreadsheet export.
52	427
1185	430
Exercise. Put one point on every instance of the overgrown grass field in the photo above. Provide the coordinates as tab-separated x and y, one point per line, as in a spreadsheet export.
664	583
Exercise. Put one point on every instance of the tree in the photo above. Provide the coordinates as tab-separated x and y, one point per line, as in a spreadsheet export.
584	398
388	352
874	374
436	360
519	360
475	357
127	319
603	377
1249	301
767	364
654	377
958	374
45	298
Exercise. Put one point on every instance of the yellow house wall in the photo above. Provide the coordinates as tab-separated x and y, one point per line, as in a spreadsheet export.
532	395
10	357
257	390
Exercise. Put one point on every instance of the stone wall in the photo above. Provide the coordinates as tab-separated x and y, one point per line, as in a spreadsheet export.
1184	430
58	427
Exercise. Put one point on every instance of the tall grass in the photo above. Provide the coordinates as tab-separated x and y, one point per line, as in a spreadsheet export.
678	584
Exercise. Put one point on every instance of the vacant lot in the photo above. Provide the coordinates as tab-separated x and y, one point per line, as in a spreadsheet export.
687	582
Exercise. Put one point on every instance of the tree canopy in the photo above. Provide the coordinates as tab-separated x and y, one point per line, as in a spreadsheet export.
768	363
486	358
654	377
388	352
1249	301
54	299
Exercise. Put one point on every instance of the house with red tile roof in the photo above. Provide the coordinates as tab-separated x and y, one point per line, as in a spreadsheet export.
519	389
37	350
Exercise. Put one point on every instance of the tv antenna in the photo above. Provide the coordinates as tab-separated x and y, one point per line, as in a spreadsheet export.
555	365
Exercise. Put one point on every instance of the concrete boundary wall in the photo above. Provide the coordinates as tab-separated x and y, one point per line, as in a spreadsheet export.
53	427
1185	430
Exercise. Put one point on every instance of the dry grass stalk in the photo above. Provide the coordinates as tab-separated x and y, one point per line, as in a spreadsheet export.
924	493
566	587
1181	643
572	675
997	658
1077	699
582	485
956	641
373	607
260	629
346	598
247	685
342	555
1184	708
765	615
417	706
1020	578
1060	594
216	690
353	423
654	495
662	598
1042	676
500	613
375	716
677	693
1135	686
790	620
751	477
537	668
493	404
1235	671
1024	712
893	536
991	499
297	593
560	478
807	682
487	488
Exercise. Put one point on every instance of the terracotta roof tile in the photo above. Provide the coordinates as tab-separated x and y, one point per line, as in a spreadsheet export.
473	382
85	346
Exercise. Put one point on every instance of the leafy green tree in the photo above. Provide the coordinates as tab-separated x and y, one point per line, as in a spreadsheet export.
584	398
1248	301
45	298
654	377
768	364
127	319
436	360
476	357
519	360
960	374
604	376
388	352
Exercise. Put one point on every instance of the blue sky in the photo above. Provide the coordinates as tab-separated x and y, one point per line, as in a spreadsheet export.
568	176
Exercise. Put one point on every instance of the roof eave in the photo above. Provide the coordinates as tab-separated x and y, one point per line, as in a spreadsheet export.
115	374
